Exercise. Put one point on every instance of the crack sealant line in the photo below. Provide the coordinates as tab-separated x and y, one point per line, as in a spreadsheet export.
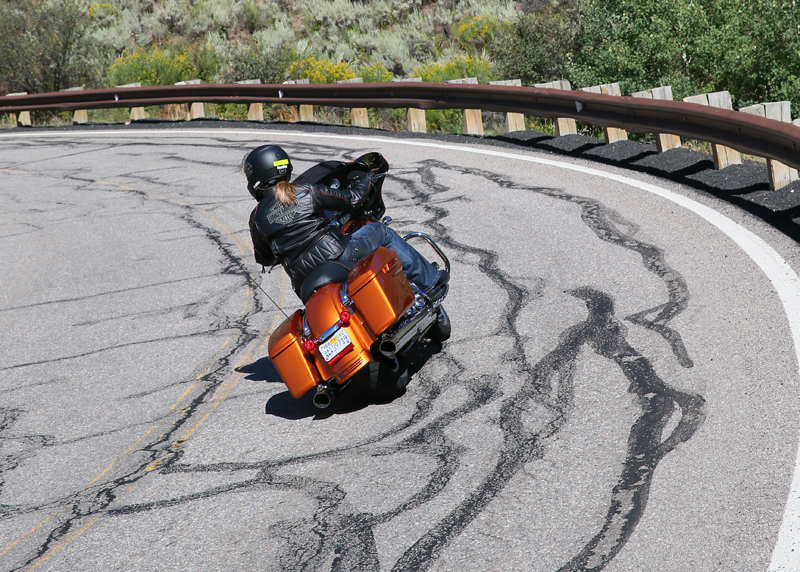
786	553
58	547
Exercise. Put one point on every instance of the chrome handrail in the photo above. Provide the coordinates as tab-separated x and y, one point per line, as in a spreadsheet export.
435	247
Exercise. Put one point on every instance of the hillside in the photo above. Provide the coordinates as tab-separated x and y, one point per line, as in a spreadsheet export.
750	48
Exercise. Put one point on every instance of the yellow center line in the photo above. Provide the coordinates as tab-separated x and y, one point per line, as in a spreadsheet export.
114	185
206	213
188	389
35	528
219	224
58	547
213	358
227	386
139	440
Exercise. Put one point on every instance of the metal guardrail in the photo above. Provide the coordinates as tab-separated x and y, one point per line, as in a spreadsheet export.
748	133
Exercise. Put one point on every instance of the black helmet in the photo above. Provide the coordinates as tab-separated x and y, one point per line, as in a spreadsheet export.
264	166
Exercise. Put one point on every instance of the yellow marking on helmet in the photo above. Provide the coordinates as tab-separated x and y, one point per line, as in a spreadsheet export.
281	162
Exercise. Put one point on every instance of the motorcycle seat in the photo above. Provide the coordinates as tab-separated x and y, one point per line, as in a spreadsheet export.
331	272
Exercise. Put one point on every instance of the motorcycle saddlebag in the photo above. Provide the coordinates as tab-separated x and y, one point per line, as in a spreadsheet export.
295	366
379	289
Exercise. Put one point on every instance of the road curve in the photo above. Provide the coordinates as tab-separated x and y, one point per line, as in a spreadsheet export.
620	391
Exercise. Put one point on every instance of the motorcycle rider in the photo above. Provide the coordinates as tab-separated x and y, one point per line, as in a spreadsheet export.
289	227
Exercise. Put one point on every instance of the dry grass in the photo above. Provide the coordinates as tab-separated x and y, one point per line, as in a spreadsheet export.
7	121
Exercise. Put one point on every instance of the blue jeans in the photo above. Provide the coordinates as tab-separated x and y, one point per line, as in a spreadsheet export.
368	238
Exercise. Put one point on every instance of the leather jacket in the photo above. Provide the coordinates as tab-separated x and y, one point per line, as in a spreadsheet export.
300	237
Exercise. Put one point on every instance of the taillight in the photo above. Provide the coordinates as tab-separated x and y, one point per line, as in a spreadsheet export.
309	345
344	317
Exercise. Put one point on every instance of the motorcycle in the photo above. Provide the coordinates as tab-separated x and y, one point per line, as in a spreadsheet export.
359	318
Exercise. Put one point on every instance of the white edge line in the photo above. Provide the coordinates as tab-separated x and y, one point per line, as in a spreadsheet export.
786	553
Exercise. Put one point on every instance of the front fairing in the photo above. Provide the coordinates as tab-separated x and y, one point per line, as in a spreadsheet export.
338	174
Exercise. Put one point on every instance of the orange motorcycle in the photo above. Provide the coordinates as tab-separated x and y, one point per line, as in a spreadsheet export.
359	317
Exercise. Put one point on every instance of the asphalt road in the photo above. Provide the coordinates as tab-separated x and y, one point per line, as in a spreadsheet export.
620	391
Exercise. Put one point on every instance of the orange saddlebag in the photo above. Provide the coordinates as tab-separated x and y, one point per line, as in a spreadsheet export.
296	368
379	289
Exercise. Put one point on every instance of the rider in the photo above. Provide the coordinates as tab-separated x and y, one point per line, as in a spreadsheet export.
289	227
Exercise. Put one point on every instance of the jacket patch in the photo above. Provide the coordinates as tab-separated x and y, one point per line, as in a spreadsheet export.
281	214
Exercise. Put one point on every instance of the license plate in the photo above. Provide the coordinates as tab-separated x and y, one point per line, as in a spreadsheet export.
335	345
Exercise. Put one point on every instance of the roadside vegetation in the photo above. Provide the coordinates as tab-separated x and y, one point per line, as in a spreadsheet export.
748	47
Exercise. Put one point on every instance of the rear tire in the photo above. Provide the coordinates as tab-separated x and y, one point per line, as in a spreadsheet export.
382	380
440	330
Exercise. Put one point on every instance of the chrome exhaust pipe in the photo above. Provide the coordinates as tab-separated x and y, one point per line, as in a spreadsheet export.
391	343
388	349
323	397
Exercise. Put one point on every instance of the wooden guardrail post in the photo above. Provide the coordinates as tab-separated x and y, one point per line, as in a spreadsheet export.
292	119
664	141
780	175
196	109
136	112
358	115
23	117
514	121
415	118
255	111
80	115
473	122
306	111
564	125
612	134
723	156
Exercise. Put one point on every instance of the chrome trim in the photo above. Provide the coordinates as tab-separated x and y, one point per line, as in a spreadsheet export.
430	241
329	332
346	302
306	329
441	299
419	294
386	220
419	297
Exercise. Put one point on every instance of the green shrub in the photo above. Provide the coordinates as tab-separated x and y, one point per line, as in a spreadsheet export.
696	46
151	67
240	62
205	61
536	47
457	68
43	45
644	45
258	13
475	33
235	111
102	11
265	56
374	73
203	16
319	70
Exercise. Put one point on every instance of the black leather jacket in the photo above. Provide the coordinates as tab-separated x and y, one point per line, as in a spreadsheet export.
300	237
